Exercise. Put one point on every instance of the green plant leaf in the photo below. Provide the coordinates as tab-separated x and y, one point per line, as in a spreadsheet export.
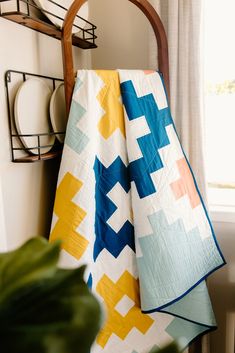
36	259
48	310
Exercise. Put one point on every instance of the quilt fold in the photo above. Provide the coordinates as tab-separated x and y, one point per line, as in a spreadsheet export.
127	205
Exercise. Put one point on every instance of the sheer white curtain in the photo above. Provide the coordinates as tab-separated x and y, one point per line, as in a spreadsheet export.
183	21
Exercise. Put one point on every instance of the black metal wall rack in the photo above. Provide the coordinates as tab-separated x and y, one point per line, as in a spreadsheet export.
29	14
19	152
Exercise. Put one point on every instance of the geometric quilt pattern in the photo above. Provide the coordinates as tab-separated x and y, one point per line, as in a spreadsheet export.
118	322
128	206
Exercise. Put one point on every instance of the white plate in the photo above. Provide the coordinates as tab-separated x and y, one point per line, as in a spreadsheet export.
58	11
31	110
58	111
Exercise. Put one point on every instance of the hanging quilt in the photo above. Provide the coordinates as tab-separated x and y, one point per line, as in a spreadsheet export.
128	206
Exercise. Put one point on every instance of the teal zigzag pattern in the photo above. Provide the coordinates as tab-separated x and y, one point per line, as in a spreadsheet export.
75	138
174	250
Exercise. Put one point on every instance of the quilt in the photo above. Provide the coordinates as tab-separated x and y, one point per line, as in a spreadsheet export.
127	205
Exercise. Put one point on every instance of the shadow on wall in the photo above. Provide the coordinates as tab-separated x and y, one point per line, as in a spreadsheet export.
47	196
28	213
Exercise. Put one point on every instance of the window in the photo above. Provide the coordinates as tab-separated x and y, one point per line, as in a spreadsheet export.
220	101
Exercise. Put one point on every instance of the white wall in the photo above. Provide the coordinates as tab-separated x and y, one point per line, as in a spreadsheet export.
3	243
26	190
122	32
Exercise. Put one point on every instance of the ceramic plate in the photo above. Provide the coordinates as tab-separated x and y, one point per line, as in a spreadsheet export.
58	111
31	110
58	11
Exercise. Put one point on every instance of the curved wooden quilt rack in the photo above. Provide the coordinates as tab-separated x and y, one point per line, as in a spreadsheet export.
154	19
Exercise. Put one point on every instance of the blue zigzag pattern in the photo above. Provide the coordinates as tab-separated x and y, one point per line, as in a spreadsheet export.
157	120
106	237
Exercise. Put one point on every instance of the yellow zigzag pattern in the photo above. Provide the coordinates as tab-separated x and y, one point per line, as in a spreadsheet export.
110	100
70	216
120	325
